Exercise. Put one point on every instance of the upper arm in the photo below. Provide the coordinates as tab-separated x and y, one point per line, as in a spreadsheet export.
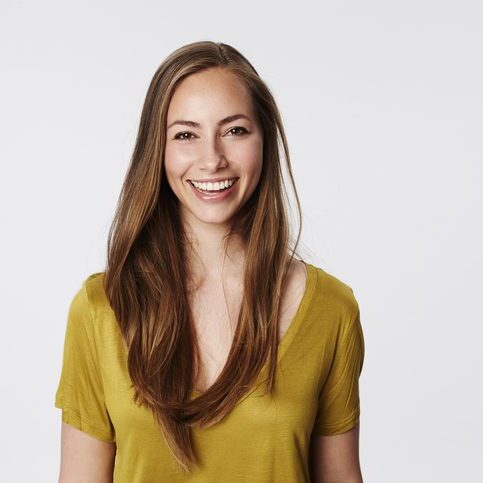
335	458
88	437
334	451
84	457
338	402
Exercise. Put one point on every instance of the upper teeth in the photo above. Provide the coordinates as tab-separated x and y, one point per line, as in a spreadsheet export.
214	186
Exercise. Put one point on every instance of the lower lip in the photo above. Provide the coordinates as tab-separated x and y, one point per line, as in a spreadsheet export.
217	195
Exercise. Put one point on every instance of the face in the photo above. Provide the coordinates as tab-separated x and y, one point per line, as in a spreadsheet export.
212	137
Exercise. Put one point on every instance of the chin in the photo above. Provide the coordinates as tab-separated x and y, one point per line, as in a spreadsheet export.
208	215
214	220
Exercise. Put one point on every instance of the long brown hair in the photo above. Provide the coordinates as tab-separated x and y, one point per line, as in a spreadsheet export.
146	273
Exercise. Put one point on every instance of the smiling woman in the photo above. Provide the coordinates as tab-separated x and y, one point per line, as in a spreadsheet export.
204	332
230	147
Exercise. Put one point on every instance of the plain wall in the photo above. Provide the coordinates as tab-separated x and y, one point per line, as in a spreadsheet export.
382	104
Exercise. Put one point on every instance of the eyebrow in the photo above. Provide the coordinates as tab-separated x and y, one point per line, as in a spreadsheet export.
226	120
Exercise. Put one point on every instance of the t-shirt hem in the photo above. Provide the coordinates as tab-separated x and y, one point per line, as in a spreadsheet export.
340	427
73	418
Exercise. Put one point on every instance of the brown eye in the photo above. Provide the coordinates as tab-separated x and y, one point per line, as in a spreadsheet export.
180	136
238	128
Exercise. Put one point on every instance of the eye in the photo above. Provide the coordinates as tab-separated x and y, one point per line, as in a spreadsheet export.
187	136
243	130
180	135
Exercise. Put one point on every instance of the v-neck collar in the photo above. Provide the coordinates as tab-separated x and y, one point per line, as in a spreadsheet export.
293	328
299	316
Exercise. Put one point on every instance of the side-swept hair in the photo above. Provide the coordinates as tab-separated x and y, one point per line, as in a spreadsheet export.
146	276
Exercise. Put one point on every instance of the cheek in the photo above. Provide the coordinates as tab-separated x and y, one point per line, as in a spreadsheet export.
254	162
175	164
249	156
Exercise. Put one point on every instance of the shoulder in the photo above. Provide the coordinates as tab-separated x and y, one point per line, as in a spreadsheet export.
296	280
334	299
93	294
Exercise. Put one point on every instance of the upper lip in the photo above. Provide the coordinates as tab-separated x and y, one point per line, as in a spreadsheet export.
212	180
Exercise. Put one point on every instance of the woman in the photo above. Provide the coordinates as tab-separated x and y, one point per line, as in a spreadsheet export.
205	351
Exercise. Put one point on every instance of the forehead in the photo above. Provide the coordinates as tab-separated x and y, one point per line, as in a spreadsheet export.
214	92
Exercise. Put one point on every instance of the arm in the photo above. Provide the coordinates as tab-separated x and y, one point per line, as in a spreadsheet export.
88	436
335	458
334	448
85	458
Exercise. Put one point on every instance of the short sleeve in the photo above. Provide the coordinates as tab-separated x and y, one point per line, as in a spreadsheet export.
338	404
80	392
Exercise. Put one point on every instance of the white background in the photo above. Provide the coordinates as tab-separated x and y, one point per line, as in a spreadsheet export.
383	107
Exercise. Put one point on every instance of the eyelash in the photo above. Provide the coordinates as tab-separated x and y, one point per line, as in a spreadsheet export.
244	131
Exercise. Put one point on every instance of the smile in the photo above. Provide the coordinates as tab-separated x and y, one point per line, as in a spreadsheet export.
214	192
213	187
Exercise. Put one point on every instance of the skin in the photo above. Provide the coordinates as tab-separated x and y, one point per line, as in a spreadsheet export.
335	459
207	151
210	151
85	458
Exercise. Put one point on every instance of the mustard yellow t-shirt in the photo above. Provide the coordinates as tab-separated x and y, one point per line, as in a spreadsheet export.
263	439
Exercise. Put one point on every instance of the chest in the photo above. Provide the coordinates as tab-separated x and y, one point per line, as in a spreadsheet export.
284	421
215	321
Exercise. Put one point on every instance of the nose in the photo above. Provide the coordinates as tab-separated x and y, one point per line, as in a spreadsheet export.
213	156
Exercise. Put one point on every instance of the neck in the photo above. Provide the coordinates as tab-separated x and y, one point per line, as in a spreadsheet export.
207	260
